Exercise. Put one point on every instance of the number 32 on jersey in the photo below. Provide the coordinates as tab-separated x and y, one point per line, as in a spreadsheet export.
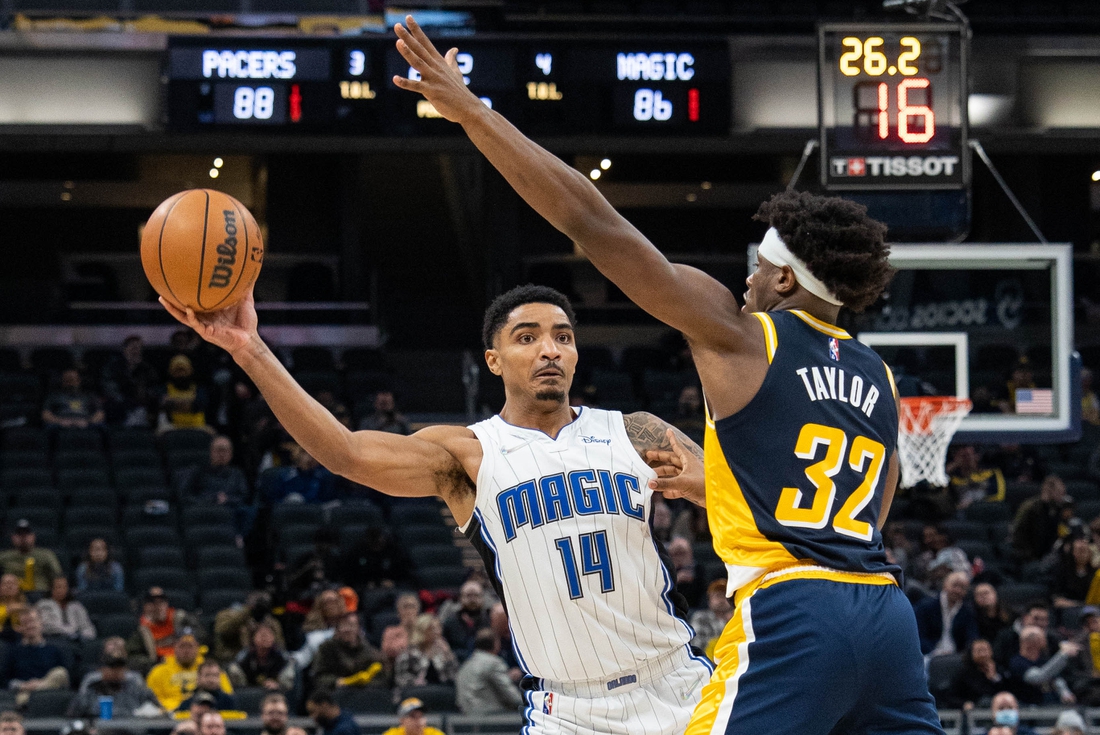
866	457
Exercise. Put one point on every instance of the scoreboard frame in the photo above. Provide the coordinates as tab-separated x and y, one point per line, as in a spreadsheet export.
905	165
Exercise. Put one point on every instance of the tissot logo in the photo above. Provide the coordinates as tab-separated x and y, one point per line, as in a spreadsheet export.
898	166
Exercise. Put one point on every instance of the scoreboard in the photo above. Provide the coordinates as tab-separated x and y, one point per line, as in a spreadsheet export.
892	106
555	86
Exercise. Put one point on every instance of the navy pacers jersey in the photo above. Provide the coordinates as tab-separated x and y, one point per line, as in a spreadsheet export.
798	475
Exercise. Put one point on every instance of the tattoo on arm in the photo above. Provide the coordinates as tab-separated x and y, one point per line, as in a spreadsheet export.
648	432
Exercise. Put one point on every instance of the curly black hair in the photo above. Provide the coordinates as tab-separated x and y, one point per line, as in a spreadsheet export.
837	241
497	313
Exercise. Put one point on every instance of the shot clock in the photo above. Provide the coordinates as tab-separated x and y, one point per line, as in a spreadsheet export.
892	106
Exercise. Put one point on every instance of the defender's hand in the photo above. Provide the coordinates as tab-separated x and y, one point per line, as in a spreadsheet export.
231	328
679	472
440	80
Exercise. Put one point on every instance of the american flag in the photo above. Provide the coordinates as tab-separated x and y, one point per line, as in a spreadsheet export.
1034	400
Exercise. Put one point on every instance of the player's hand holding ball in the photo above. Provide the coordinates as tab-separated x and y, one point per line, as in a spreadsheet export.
202	251
440	80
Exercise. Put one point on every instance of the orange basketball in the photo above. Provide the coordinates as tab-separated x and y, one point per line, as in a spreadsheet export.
202	249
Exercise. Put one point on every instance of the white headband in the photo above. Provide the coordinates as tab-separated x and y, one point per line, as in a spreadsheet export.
775	251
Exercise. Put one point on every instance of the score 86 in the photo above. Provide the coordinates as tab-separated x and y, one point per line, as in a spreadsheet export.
875	62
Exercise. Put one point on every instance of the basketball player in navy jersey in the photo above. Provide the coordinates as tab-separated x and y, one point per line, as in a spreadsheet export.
800	444
557	501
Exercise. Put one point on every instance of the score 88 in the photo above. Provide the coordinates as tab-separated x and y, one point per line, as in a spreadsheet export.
650	104
249	103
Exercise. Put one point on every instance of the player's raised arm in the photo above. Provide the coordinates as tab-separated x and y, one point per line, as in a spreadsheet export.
569	201
415	465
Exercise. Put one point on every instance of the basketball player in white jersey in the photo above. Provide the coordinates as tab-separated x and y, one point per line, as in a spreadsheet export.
557	500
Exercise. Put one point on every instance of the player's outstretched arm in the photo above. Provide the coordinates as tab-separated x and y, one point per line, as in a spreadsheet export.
415	465
677	460
683	297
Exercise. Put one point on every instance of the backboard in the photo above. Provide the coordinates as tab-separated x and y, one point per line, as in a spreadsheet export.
992	323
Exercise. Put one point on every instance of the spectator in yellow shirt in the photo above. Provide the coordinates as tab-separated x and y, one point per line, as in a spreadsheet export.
413	720
174	680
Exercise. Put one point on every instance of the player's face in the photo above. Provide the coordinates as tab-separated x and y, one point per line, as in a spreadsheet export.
761	295
535	352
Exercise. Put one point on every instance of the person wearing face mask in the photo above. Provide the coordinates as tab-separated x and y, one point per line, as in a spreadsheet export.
1006	716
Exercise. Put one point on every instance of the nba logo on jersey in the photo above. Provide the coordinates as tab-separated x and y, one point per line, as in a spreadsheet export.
548	703
834	349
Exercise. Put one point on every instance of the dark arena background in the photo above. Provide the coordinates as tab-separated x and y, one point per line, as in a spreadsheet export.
154	511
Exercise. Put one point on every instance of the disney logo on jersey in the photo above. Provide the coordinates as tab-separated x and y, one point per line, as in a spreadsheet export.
595	440
553	498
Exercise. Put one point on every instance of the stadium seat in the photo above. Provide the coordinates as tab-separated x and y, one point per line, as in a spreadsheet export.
315	381
22	460
975	548
249	699
48	703
93	497
37	497
298	533
291	554
1066	470
90	516
441	577
106	602
122	439
183	458
74	479
357	514
173	578
25	439
211	601
206	515
313	358
297	514
1088	509
436	697
362	385
1015	596
144	536
14	479
942	672
134	477
1083	490
209	557
197	536
960	530
144	493
181	599
1017	492
430	555
366	700
125	459
122	625
404	514
80	460
52	359
426	533
136	517
78	440
160	557
225	578
987	512
364	358
186	440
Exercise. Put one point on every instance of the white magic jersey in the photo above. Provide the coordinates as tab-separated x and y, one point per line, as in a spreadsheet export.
563	524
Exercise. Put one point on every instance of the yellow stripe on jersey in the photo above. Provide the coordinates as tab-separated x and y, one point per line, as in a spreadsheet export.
771	339
737	540
824	327
731	655
890	377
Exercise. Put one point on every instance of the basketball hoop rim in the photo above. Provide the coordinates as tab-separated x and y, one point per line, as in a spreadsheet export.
918	412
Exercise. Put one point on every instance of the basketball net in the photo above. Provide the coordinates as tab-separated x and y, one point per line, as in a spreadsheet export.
926	426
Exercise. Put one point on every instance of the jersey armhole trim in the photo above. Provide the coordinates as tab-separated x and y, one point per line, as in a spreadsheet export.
771	339
890	377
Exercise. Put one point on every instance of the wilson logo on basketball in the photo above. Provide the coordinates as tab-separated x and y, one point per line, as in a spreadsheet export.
227	253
